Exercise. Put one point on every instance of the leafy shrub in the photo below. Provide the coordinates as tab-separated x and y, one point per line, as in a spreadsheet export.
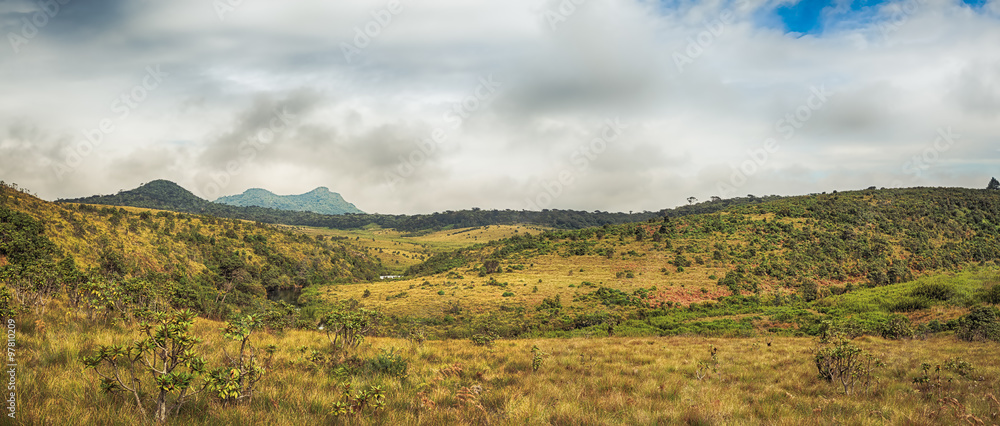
483	339
910	304
847	365
933	291
388	362
896	327
991	295
372	399
166	356
507	294
980	324
347	328
238	380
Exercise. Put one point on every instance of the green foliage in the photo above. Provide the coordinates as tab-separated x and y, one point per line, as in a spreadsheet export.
709	364
162	369
844	363
934	291
388	362
368	400
537	357
484	339
990	293
237	380
982	323
346	328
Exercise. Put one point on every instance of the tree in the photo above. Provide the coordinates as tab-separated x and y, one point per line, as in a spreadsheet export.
994	184
692	200
166	355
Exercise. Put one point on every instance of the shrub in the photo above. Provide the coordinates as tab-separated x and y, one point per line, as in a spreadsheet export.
166	356
896	327
847	365
537	356
933	291
238	380
991	295
910	304
346	328
388	362
980	324
350	404
483	339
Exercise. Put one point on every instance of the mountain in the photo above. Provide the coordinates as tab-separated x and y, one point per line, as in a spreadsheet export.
166	195
187	261
319	200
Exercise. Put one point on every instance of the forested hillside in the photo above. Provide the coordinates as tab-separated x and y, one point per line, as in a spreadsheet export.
200	262
166	195
872	237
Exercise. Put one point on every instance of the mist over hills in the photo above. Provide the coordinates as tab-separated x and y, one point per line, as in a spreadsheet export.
320	200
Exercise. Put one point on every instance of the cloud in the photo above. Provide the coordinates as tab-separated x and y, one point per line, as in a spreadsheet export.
702	85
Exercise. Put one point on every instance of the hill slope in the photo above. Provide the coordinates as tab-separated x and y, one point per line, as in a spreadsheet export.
319	200
200	262
167	195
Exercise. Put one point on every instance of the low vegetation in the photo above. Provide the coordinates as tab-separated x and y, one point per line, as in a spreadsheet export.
835	307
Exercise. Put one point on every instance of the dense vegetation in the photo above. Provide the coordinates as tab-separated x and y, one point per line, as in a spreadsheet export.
869	275
165	195
112	256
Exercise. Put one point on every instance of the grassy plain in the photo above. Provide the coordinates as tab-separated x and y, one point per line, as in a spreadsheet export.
654	380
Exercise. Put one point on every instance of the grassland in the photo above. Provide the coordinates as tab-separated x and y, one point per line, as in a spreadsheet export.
639	309
763	380
400	250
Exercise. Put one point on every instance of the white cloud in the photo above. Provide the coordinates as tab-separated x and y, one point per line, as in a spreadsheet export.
896	77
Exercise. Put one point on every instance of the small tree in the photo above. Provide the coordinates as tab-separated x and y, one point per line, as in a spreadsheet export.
166	356
346	329
692	200
237	381
994	184
847	365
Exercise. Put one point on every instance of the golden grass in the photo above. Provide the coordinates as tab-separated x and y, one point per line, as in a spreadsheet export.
398	250
581	381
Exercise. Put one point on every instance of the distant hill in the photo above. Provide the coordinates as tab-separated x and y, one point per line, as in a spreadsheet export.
319	200
166	195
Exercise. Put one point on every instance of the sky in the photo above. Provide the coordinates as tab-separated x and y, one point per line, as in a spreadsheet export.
415	107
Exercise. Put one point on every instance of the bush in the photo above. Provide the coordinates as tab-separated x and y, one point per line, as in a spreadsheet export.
910	304
991	295
237	380
933	291
982	323
166	356
896	327
847	365
388	362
